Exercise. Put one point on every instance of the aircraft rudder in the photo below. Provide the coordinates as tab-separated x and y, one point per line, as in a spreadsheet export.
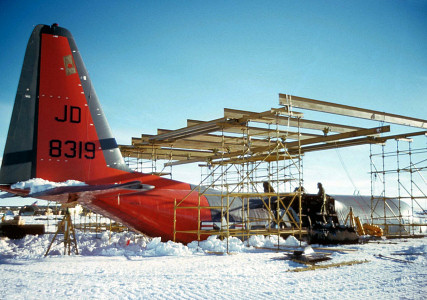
18	162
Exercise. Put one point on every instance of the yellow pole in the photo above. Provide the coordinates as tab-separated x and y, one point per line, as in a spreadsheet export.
174	221
198	220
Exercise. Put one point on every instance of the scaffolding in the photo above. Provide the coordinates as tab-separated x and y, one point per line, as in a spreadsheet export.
249	156
245	163
267	175
148	160
398	174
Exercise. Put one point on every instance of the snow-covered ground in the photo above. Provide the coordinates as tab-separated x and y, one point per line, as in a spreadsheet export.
129	266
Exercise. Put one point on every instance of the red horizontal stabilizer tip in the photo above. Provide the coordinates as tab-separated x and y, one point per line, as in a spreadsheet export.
15	192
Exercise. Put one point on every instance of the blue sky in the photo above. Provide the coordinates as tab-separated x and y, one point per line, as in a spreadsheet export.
155	64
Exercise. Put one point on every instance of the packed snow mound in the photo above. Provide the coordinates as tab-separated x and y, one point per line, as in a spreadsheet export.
214	244
157	248
111	244
308	250
30	247
270	241
37	185
34	247
130	244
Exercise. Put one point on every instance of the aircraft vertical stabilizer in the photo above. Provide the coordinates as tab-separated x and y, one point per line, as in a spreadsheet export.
58	130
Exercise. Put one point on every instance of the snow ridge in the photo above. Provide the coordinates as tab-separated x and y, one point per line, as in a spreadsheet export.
129	244
37	185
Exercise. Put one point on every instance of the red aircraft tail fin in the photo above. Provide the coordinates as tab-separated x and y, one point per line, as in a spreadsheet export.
58	130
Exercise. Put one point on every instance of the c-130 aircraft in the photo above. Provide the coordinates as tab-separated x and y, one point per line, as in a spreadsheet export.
59	132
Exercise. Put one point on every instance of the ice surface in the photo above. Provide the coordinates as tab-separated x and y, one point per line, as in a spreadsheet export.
130	266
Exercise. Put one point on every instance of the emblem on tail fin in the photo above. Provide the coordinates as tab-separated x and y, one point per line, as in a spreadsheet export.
70	68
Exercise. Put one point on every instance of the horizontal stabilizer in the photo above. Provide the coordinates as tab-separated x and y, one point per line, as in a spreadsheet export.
133	186
7	195
13	192
74	193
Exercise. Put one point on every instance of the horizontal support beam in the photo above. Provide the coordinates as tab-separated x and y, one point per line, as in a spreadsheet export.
166	153
219	139
183	162
350	111
341	136
402	136
150	157
358	142
289	121
268	115
329	141
339	144
201	142
202	145
264	132
255	158
207	127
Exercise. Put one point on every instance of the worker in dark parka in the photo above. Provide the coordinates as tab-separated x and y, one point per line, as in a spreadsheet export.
322	195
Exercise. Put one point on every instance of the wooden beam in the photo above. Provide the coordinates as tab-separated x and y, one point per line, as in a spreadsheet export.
315	267
187	143
264	132
341	136
337	144
350	111
168	153
356	142
228	140
201	142
255	158
269	114
207	127
402	136
289	121
293	146
331	138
